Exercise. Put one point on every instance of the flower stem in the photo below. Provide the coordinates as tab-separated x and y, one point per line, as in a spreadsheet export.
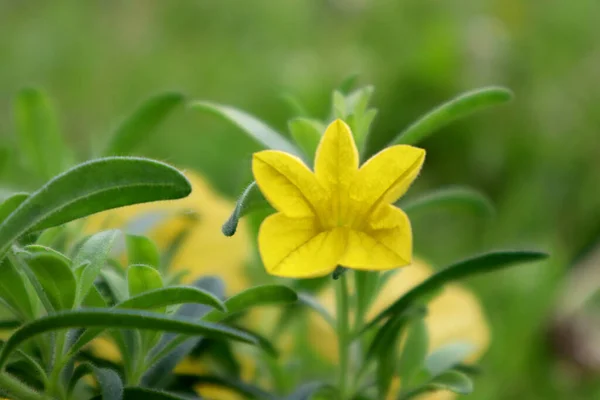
343	331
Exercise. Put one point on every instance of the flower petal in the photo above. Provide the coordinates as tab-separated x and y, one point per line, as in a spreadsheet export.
386	176
297	248
385	243
287	183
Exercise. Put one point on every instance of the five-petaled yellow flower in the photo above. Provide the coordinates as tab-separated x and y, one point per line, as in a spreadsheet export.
340	214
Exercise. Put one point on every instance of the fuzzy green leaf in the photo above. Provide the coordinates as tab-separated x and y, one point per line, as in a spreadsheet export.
109	382
142	278
142	250
13	292
253	127
92	187
451	197
120	319
136	128
488	262
254	297
251	199
56	277
11	203
37	128
457	108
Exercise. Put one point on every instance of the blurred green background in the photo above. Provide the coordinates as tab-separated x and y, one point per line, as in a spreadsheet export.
537	157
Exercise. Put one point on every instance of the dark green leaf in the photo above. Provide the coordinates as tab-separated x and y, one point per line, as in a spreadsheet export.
93	253
120	319
307	135
451	197
136	128
235	385
142	278
484	263
251	199
13	292
459	107
56	278
142	250
37	128
92	187
252	126
448	356
8	324
253	297
136	393
109	382
11	203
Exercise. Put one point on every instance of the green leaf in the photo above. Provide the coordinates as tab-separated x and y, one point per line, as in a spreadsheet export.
448	356
457	108
116	283
119	319
142	250
56	277
136	393
92	187
251	199
306	133
142	278
340	109
414	351
453	381
94	252
42	249
451	197
11	203
136	128
37	128
253	297
253	127
109	382
307	390
13	292
488	262
172	295
348	84
247	390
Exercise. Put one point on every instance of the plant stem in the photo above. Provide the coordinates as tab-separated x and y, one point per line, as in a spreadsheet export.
343	330
18	389
55	388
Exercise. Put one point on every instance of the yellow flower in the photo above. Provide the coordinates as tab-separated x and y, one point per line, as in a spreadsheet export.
455	315
340	214
203	251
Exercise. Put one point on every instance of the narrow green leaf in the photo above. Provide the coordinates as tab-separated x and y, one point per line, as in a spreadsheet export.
37	128
479	264
308	390
414	351
172	295
119	319
94	253
136	128
253	127
142	278
56	278
13	292
19	259
448	356
254	297
142	250
453	381
306	133
11	203
451	197
92	187
457	108
8	324
109	382
251	199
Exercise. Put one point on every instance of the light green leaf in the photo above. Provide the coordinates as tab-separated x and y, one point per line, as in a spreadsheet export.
253	127
488	262
340	109
56	278
92	187
448	356
94	252
453	381
137	127
348	83
142	278
142	250
307	135
451	197
41	249
119	319
37	128
13	292
251	199
414	351
254	297
457	108
11	203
